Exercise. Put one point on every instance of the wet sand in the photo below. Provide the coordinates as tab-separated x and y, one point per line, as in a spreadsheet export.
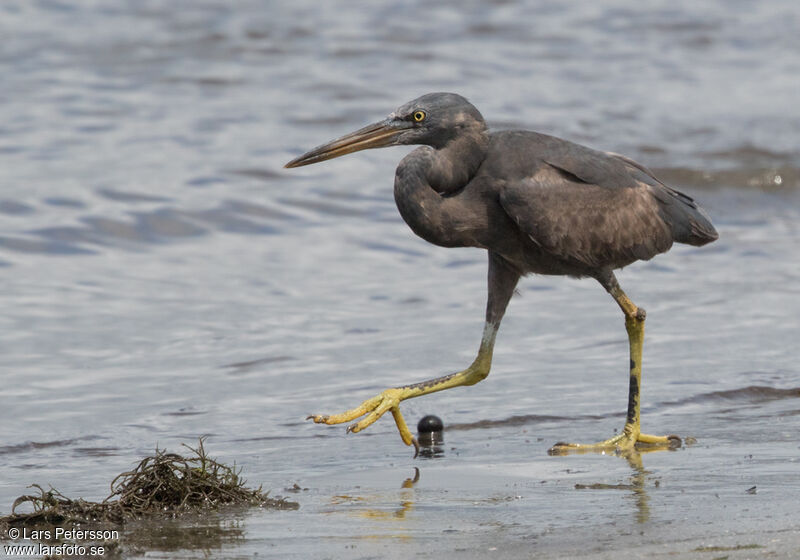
492	491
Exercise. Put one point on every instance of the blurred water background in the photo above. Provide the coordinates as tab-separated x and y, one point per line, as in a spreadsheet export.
164	278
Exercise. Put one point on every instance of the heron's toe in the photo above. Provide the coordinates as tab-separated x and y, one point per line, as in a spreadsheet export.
629	439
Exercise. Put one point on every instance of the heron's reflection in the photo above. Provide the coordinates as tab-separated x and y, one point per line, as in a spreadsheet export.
638	479
410	482
404	506
637	483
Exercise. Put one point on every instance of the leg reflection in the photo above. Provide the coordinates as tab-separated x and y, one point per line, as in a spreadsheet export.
636	485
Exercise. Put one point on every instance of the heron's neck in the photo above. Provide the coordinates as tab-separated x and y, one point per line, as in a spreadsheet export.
426	186
451	167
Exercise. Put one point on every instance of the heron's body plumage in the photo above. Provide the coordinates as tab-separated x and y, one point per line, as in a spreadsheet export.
546	205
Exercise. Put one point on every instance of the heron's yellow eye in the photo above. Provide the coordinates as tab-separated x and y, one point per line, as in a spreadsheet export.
419	116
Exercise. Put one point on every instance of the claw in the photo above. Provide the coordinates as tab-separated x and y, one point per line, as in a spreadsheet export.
374	408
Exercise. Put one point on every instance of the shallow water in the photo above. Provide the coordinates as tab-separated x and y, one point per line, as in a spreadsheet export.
164	278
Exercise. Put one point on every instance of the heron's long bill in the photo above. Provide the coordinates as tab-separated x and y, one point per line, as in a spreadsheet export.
376	135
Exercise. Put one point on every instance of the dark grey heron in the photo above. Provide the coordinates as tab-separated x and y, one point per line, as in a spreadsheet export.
537	204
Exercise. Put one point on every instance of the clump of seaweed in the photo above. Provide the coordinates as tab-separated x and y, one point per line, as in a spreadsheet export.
171	483
52	508
161	485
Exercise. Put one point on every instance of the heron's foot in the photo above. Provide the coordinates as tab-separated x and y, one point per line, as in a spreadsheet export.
374	408
630	438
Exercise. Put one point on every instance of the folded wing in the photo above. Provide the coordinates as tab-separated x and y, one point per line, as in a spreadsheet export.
596	209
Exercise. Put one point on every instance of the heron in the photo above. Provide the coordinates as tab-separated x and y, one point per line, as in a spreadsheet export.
538	205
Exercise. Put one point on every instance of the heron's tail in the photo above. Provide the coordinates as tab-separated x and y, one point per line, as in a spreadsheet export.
690	223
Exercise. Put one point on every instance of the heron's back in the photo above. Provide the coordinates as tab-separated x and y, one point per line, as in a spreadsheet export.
590	209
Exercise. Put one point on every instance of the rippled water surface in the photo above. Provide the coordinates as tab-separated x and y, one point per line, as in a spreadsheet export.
164	278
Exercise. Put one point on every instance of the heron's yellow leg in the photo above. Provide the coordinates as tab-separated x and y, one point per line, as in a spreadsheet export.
631	436
389	400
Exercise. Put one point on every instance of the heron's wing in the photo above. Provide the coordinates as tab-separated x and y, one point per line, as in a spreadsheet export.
588	210
688	221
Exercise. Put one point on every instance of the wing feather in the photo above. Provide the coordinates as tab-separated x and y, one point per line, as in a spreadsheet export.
577	220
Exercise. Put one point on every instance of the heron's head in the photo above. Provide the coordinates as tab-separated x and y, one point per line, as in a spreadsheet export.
433	119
